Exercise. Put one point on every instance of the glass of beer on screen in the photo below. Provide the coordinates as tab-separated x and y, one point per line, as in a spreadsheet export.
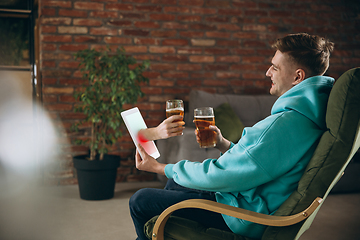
203	118
174	107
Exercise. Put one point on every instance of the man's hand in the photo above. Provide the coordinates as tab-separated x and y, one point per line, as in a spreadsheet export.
148	163
221	143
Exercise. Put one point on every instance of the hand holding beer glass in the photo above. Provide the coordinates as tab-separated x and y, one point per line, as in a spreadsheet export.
203	118
175	107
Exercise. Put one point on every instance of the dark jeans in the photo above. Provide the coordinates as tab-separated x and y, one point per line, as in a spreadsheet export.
149	202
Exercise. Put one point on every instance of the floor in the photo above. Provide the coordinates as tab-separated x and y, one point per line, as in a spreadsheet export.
58	213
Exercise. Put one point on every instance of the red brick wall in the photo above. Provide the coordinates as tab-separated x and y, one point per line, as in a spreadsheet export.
216	45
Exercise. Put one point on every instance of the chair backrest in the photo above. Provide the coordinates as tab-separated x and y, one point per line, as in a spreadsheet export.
334	151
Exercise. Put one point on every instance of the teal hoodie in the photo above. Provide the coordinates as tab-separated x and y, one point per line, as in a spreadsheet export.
261	171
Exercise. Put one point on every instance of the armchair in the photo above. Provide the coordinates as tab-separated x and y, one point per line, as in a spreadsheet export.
336	148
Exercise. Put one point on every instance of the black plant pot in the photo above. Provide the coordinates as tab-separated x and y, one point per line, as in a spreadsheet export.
96	178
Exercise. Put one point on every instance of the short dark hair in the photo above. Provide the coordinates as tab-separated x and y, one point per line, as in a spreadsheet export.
309	51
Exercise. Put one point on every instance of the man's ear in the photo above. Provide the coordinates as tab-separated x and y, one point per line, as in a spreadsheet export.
299	76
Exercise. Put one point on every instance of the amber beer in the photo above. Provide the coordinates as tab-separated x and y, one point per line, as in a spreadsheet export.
203	118
175	111
174	107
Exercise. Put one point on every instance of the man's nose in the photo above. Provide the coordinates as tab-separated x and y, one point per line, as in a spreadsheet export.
268	72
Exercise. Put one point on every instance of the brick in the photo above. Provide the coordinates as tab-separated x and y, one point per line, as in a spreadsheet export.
176	9
49	64
69	64
48	29
218	83
186	50
191	18
48	47
62	4
148	24
135	49
227	75
216	51
217	19
216	67
175	42
146	41
228	12
119	23
104	14
228	27
72	30
161	17
189	83
218	34
163	2
161	83
73	81
136	32
119	7
162	66
56	20
132	16
49	98
117	40
56	56
228	59
103	31
89	5
151	74
188	67
149	8
86	39
191	3
202	75
152	90
72	47
203	11
87	22
254	27
56	38
58	107
174	75
57	90
174	25
48	81
202	59
280	14
161	50
254	44
255	76
48	12
202	26
203	42
72	13
175	58
163	33
56	73
191	34
71	115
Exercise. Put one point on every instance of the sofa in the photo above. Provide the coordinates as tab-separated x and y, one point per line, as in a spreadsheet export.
232	114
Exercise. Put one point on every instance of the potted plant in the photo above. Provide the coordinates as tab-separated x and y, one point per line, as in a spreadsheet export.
113	80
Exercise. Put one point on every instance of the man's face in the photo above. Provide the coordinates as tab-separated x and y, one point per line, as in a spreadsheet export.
282	73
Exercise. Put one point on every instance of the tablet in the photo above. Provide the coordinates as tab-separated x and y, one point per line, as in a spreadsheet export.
134	123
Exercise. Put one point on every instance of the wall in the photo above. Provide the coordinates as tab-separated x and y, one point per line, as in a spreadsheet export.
216	45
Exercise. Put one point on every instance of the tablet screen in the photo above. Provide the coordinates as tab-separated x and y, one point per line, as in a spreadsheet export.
134	123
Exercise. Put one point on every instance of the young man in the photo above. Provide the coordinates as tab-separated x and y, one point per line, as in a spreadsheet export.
263	168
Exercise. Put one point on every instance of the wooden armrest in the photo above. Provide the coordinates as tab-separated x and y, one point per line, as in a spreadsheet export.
269	220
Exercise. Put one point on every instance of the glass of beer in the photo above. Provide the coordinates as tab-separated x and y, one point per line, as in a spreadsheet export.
203	118
174	107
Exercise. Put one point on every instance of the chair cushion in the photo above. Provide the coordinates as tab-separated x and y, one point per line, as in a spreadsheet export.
185	229
342	119
228	122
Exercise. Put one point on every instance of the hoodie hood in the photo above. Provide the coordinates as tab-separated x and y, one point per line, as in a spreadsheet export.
316	91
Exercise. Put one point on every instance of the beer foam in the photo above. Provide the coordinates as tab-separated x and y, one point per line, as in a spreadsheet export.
173	109
203	116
